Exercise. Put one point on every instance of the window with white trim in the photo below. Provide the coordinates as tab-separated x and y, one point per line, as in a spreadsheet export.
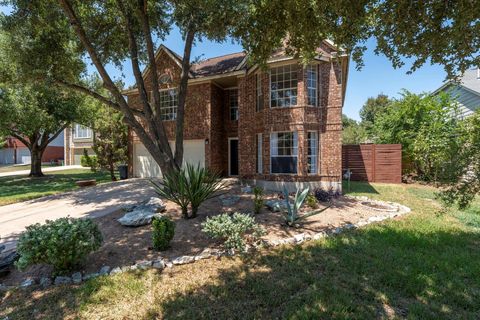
233	102
283	152
259	92
283	86
259	153
168	104
81	132
312	157
312	84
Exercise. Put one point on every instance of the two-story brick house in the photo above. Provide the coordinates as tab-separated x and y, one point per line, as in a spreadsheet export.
279	125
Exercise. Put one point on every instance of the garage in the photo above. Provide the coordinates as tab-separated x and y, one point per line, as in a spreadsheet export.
144	165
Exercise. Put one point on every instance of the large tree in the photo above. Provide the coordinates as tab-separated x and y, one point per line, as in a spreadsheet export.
36	115
372	109
119	31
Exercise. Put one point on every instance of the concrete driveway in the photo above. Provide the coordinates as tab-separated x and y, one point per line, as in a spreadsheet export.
90	202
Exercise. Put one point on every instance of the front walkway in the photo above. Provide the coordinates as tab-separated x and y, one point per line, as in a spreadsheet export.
44	169
90	202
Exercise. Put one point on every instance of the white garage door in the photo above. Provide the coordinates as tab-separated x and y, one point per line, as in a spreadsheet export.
144	165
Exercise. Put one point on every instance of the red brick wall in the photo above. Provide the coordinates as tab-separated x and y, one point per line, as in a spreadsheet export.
53	154
207	116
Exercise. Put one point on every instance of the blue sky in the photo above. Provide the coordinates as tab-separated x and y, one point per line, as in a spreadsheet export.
377	76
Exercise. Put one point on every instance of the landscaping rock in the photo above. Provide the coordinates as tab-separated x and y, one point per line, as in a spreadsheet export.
276	205
183	260
158	264
104	270
45	282
143	265
90	276
319	235
299	237
168	264
228	201
126	268
137	217
2	247
154	204
62	280
116	270
205	254
6	260
77	277
27	283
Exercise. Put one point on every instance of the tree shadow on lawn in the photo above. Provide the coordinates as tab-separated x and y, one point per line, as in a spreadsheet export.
377	273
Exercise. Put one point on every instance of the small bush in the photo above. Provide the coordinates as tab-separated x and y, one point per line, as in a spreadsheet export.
63	243
233	230
312	201
163	232
323	195
258	201
89	161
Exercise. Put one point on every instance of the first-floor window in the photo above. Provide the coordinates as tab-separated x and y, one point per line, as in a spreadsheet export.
81	132
283	152
168	104
312	158
259	153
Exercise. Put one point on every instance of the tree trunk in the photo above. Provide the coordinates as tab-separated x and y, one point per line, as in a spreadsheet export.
36	162
112	171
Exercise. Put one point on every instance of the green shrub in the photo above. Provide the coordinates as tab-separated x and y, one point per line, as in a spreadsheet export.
191	185
63	243
312	201
258	201
163	232
89	161
233	229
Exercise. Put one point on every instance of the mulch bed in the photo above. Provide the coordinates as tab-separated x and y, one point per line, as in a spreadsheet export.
126	246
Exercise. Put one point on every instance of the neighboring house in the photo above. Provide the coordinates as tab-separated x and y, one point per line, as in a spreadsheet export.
466	92
277	125
15	152
77	139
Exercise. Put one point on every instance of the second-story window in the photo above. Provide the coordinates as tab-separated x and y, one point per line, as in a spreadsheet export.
168	104
81	132
283	86
259	93
312	84
233	102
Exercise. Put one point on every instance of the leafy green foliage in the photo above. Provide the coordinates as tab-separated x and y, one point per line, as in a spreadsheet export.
63	243
258	199
372	109
89	161
191	185
311	201
233	229
163	230
462	175
428	128
353	132
110	142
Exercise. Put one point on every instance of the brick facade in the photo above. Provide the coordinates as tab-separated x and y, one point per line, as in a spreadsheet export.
207	116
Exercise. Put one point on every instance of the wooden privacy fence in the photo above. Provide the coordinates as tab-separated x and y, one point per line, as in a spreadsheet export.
373	162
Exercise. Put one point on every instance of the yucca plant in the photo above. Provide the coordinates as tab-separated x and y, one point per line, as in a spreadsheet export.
202	184
191	185
292	217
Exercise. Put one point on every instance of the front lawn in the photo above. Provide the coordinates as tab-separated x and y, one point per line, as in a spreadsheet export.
20	188
422	266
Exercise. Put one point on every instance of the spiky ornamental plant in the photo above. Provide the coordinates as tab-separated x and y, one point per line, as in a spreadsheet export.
191	185
292	216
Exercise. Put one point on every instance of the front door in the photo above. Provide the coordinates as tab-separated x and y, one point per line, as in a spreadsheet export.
233	157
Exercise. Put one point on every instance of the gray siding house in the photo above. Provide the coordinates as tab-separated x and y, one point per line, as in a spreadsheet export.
466	92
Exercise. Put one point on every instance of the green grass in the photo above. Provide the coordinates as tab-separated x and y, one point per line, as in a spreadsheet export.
20	188
422	266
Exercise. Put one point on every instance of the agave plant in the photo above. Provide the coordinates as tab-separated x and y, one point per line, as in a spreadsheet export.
292	215
191	185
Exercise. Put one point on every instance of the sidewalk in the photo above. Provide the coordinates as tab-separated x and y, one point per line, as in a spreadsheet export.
46	169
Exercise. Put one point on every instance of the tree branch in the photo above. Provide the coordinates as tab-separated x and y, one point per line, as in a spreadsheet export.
22	139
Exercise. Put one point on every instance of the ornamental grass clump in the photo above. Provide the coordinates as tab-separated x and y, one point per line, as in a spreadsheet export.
63	243
234	230
162	233
189	186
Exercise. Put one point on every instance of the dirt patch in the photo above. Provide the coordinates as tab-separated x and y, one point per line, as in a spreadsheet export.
126	246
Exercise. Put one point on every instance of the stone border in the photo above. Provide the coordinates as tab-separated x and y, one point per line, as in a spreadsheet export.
207	253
